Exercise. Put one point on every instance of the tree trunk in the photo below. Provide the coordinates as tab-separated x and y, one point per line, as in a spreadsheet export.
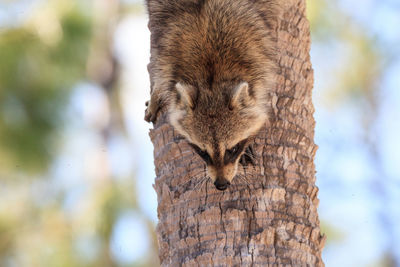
270	217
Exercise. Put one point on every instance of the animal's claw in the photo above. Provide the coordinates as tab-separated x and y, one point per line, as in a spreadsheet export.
248	156
150	115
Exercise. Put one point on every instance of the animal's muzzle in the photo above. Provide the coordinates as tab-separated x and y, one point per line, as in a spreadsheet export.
221	183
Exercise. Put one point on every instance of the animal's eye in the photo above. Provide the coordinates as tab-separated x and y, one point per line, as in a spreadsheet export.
203	154
234	149
232	154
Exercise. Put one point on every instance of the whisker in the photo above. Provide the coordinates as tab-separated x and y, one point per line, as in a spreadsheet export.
199	185
244	178
193	178
248	167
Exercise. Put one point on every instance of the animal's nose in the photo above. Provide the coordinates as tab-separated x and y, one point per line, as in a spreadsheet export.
221	184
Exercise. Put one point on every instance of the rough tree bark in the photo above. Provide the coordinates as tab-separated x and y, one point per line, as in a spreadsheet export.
269	220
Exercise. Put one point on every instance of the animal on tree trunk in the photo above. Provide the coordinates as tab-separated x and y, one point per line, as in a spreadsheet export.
213	71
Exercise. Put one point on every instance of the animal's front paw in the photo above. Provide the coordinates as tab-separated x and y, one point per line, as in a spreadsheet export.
150	115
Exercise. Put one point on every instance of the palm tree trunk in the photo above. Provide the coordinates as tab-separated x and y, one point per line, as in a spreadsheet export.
268	218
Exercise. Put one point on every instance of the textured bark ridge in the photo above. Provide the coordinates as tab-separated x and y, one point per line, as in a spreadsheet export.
270	217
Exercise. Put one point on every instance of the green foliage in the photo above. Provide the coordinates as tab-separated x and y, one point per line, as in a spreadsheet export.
35	78
41	60
33	233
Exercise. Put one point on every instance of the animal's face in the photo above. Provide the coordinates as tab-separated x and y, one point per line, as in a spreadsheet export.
218	124
222	162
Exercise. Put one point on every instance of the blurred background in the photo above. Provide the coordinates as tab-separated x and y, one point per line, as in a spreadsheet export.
76	166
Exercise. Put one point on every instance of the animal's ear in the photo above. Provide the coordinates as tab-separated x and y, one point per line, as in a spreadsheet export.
240	94
186	94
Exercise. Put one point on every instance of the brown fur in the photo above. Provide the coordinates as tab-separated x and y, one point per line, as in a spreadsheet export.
212	66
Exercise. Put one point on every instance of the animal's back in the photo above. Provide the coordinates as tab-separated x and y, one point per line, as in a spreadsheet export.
205	42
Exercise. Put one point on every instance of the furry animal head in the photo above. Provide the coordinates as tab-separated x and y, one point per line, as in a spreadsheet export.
218	122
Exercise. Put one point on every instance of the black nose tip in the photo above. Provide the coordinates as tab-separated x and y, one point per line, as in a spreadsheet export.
221	184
